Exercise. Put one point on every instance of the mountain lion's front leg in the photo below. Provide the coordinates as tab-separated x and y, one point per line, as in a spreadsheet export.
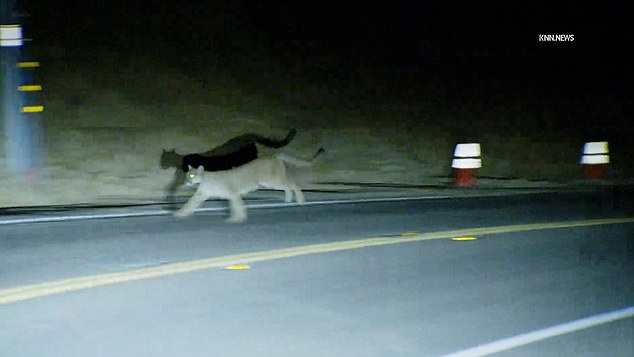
238	210
194	202
176	183
288	195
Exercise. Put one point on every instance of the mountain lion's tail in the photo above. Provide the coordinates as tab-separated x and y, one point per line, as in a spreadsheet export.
275	143
298	162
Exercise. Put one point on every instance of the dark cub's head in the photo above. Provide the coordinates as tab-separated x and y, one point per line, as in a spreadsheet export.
170	159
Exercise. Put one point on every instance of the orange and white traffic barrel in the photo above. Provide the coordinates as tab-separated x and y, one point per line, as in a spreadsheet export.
466	164
595	159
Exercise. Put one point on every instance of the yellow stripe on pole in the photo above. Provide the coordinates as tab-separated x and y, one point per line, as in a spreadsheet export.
31	64
30	88
32	109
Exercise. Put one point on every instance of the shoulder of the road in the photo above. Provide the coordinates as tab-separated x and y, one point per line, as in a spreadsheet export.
324	194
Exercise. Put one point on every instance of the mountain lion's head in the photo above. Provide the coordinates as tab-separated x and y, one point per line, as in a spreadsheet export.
194	176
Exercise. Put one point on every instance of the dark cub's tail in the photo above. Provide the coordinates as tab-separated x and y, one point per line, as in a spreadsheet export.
319	152
276	143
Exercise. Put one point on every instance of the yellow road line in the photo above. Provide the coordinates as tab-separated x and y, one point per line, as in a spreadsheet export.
21	293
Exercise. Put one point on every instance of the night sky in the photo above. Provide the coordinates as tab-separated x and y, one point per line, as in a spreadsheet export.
471	50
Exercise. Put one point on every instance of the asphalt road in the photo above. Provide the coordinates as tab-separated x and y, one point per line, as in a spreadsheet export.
548	275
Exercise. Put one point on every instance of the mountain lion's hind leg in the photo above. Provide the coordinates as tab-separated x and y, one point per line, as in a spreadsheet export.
299	196
194	202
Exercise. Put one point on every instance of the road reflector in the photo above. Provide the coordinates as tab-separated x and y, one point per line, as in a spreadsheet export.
237	267
463	239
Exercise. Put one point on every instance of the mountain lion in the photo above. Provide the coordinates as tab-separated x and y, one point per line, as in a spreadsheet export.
268	172
233	153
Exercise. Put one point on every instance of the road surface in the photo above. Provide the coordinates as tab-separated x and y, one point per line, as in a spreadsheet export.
540	275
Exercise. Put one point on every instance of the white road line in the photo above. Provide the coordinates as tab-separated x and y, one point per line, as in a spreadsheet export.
81	217
524	339
208	209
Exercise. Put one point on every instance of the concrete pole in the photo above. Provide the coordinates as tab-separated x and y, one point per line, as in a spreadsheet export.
17	127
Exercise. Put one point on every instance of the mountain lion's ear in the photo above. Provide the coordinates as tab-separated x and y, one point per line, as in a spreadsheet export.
200	168
189	167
